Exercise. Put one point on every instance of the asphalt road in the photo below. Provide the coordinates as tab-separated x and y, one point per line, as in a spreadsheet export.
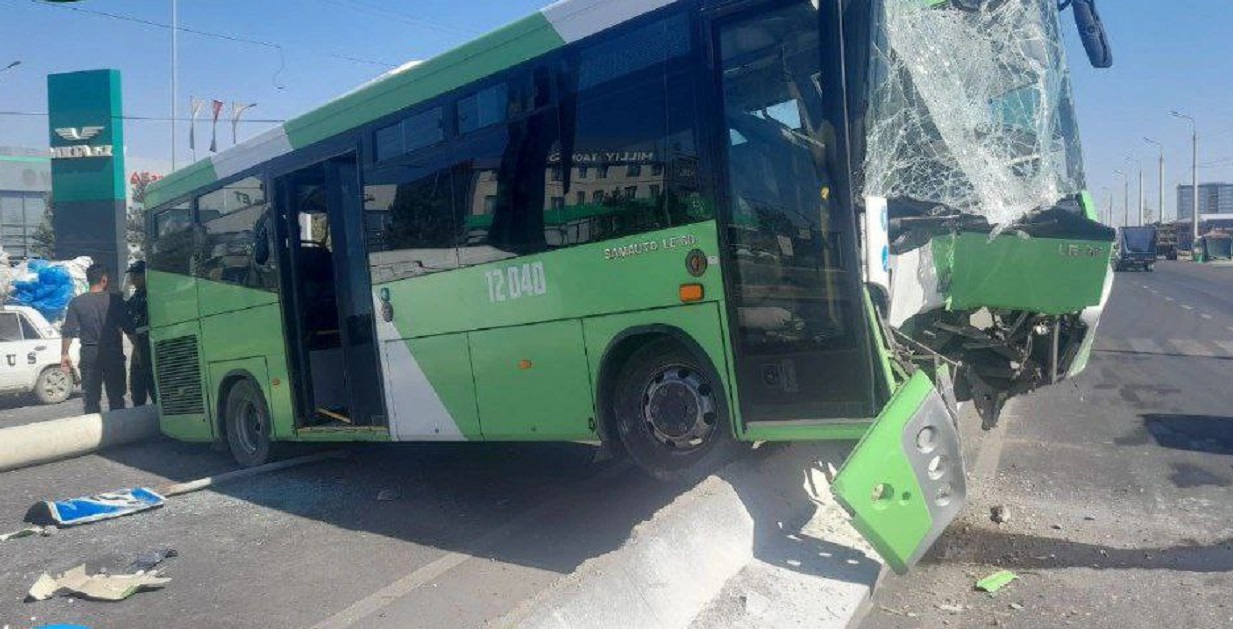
402	535
16	410
1118	484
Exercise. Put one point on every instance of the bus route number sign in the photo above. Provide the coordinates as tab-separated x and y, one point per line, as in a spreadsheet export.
516	282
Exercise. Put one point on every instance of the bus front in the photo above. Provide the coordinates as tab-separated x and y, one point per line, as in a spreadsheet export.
906	227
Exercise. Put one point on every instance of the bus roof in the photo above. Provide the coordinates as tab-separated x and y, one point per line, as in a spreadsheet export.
550	28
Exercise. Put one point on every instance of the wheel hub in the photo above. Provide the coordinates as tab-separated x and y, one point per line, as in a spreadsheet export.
679	408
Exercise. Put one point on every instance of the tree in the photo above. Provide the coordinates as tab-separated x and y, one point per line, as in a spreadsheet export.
135	227
43	239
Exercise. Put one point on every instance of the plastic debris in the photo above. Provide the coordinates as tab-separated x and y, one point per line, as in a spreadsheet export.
29	531
996	581
953	609
97	587
146	562
48	286
1016	606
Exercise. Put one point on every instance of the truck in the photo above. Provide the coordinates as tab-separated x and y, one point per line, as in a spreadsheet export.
1166	241
1136	248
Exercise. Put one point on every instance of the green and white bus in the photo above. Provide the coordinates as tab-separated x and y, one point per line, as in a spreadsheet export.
669	226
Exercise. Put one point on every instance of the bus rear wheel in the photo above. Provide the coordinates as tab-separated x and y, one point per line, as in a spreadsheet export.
671	412
249	432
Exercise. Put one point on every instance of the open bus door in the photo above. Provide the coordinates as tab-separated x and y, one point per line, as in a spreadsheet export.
328	312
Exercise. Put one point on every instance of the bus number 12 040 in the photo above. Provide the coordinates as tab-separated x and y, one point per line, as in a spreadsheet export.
516	282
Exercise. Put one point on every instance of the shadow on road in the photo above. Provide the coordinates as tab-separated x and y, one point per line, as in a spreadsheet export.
1030	552
448	496
1196	433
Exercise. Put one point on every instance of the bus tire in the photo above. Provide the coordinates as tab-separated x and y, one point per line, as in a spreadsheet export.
671	412
54	385
249	428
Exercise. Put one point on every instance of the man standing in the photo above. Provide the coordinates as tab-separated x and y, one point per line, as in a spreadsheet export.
141	367
98	319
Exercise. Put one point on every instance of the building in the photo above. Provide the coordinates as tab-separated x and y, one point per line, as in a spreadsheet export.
1214	199
25	182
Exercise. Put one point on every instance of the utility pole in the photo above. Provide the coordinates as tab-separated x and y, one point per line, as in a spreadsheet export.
1160	202
175	65
1108	214
1194	173
1140	165
1125	196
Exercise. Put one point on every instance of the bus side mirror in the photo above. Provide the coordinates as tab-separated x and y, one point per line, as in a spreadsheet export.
1092	31
261	244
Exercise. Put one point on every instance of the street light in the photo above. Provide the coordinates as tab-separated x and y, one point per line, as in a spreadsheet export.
1194	172
1160	202
1140	165
11	66
1125	196
1109	215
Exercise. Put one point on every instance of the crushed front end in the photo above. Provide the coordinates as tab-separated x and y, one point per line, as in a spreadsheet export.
982	248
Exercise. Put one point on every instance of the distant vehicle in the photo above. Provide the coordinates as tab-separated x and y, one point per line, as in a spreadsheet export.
1166	241
1136	248
30	357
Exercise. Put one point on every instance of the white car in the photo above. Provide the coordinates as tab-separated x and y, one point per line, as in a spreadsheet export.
30	356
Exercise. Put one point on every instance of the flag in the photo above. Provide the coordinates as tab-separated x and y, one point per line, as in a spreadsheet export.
195	105
238	110
218	109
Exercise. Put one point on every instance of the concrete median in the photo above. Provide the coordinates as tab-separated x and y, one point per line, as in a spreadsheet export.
761	544
44	442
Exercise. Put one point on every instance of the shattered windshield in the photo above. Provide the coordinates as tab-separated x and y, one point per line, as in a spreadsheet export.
971	109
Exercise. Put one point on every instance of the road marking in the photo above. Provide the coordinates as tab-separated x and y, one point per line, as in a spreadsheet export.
1187	307
426	574
1193	348
1170	299
1145	346
1206	316
1227	346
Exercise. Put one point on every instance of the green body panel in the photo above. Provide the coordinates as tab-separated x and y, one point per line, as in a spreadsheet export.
194	427
1021	274
343	435
701	322
803	431
446	361
250	334
506	47
886	483
180	183
547	397
218	297
173	298
579	282
643	272
1089	206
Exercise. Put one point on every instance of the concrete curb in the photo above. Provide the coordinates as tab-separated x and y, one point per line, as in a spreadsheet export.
760	544
44	442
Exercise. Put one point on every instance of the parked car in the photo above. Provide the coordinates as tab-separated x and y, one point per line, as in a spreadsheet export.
30	357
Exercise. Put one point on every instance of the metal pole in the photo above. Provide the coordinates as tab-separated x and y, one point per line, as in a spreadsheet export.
1194	181
1125	197
1194	175
175	64
1140	165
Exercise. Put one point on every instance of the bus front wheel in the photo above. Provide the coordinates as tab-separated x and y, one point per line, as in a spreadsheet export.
671	412
248	425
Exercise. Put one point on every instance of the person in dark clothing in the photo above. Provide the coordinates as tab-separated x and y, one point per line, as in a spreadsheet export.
98	319
141	366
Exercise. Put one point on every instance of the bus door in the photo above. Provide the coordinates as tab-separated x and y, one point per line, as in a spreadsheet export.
801	335
329	312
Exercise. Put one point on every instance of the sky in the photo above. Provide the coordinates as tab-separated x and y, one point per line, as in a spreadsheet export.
1166	58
